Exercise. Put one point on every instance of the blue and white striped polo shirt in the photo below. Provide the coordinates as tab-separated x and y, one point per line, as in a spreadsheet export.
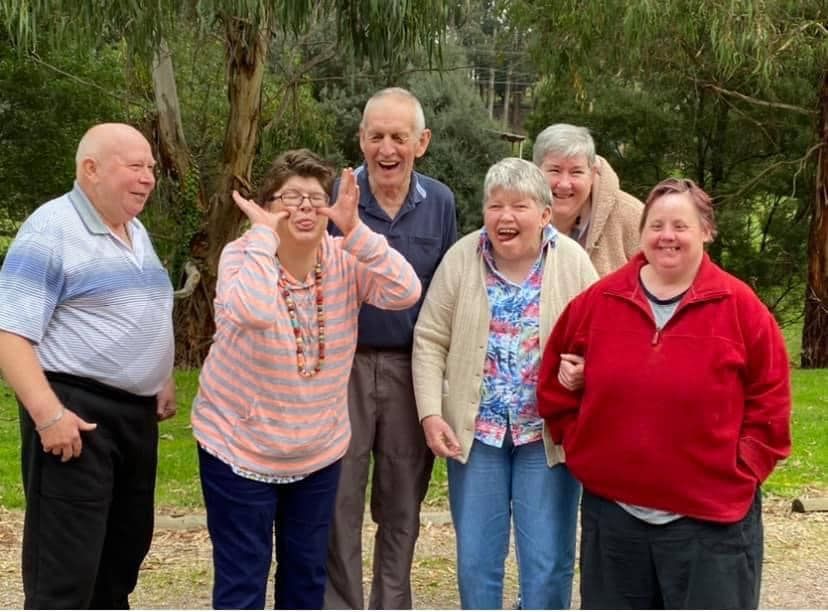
92	306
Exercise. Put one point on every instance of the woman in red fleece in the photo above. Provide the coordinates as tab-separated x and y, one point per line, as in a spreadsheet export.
684	412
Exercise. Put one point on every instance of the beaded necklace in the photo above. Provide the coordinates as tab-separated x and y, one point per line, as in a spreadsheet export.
294	320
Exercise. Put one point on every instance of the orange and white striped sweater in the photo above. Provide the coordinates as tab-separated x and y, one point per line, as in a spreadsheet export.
253	410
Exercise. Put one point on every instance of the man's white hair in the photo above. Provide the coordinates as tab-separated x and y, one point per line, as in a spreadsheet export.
397	92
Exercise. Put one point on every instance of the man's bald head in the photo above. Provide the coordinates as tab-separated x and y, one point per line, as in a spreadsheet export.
114	167
102	139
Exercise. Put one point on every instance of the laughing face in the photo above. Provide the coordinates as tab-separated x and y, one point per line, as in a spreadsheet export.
514	222
674	235
304	226
122	178
390	142
570	179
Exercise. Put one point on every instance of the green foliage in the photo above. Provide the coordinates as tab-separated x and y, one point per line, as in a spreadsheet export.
173	216
177	458
291	115
178	484
437	496
463	143
497	51
718	92
382	32
290	118
43	115
11	487
807	468
8	229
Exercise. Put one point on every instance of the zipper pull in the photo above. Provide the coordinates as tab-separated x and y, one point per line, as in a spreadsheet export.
656	336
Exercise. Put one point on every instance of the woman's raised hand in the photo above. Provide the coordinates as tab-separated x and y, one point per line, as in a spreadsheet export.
345	211
257	214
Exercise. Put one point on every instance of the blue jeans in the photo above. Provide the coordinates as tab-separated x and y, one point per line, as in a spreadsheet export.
484	493
241	515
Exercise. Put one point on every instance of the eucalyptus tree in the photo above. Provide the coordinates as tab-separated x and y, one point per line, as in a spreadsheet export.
499	60
745	82
383	32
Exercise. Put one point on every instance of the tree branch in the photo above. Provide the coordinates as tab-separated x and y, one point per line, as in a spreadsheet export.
775	166
193	278
37	60
757	101
328	54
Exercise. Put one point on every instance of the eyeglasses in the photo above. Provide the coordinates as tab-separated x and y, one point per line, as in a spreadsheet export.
294	199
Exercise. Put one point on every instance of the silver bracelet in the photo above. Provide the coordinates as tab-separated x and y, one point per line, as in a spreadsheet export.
52	422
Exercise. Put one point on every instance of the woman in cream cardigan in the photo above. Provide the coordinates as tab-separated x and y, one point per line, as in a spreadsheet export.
477	347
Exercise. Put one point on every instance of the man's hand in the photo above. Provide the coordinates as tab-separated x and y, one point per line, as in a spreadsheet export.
571	372
345	211
62	437
166	401
440	437
58	427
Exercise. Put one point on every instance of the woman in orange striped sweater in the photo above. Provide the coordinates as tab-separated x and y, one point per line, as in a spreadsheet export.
271	416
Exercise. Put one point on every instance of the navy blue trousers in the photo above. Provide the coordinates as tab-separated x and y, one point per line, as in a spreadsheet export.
241	517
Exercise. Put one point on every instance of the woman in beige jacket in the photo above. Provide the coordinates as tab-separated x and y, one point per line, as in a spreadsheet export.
588	204
477	348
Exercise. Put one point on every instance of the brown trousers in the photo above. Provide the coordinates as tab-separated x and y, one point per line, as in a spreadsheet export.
385	425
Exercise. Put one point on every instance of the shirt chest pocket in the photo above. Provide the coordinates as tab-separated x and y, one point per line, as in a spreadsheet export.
424	254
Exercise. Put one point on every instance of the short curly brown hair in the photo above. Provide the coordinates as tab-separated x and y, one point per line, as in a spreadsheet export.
298	162
701	200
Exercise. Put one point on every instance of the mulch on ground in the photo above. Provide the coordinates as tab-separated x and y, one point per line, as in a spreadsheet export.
178	571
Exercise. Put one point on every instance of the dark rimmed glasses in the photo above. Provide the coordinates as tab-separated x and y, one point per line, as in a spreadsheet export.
294	199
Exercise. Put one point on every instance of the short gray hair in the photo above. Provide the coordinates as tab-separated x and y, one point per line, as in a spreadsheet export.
566	140
397	92
515	174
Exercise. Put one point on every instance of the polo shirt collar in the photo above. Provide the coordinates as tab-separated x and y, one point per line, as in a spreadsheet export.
416	192
95	225
89	215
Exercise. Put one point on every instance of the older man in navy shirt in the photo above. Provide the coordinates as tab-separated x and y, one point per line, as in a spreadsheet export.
417	215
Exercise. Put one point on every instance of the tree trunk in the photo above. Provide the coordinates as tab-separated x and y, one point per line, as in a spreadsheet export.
246	53
701	149
516	110
815	327
174	152
718	146
491	91
507	98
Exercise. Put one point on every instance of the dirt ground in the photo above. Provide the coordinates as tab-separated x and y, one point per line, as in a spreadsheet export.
177	573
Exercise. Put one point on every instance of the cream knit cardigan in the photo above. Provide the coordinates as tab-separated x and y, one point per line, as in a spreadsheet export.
452	331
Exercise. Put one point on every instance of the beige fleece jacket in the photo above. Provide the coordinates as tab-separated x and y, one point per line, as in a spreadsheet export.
613	236
452	331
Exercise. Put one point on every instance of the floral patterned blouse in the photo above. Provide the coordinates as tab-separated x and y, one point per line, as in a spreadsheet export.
513	355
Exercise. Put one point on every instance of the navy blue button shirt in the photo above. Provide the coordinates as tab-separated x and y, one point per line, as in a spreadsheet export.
423	230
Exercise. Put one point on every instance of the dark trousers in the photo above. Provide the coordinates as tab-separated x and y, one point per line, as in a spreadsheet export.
241	514
384	424
687	564
89	521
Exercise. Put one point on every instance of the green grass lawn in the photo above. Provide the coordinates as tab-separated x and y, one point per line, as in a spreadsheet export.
806	470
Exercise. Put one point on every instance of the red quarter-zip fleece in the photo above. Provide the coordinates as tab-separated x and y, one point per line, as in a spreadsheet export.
690	418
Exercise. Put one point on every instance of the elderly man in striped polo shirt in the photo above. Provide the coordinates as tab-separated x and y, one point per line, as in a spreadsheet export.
86	343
